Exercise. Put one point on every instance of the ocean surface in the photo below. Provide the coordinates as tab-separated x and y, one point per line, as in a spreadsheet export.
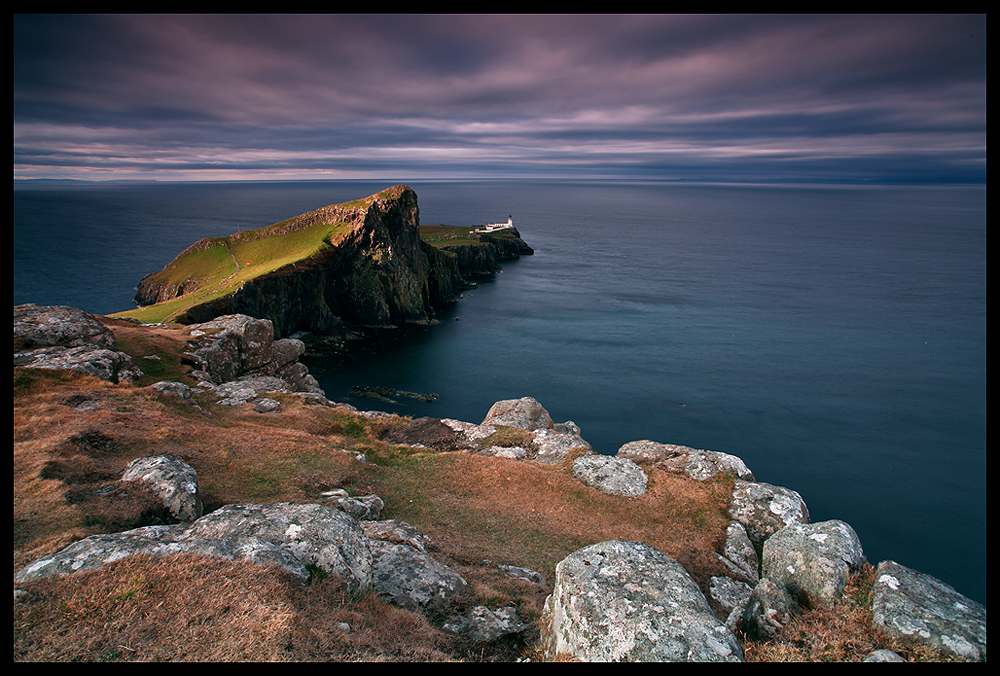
834	338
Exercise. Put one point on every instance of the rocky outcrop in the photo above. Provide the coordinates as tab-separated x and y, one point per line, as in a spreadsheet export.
475	260
237	357
60	337
626	601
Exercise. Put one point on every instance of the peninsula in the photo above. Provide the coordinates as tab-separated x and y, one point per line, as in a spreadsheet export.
365	263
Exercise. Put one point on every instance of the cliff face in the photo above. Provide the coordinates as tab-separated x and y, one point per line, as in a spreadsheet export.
375	272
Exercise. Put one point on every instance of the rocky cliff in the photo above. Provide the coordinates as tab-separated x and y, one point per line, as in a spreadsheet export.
360	263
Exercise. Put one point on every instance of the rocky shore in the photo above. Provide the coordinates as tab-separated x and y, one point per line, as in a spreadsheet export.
609	601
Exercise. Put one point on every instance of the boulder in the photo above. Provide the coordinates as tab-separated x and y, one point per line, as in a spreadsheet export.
916	606
108	365
554	446
173	480
409	578
626	601
525	413
482	625
316	535
764	509
697	464
241	348
397	532
769	608
812	561
610	474
38	326
739	556
97	550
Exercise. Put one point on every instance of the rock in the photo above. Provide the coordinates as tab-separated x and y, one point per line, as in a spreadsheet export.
173	480
411	579
764	509
471	432
363	508
812	561
109	365
39	326
883	655
768	610
246	389
611	474
397	532
241	349
482	625
730	596
315	535
523	573
176	390
626	601
739	556
554	446
525	413
915	605
697	464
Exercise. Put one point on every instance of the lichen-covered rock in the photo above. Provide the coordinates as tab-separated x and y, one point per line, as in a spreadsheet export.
812	561
315	535
611	475
554	446
175	481
739	556
626	601
397	532
768	610
525	413
918	606
38	326
697	464
482	625
412	579
764	509
108	365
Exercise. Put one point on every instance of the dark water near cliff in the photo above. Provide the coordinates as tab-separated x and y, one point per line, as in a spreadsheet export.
833	338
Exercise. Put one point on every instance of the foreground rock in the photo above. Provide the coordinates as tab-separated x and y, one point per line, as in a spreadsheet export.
59	337
697	464
619	476
764	509
625	601
813	561
914	605
173	480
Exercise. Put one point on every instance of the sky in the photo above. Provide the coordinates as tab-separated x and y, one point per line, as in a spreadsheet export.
716	98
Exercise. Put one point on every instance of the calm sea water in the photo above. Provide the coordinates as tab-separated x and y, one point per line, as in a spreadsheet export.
834	338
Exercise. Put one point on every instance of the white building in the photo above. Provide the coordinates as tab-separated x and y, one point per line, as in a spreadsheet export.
493	227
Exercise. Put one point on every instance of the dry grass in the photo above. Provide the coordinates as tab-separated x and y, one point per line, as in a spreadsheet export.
190	608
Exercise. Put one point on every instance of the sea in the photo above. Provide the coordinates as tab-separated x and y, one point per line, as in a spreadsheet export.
833	337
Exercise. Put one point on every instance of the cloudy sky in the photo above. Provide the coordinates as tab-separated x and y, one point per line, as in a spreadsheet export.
899	98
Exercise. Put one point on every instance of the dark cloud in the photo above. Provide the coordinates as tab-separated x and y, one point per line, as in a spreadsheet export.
710	97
